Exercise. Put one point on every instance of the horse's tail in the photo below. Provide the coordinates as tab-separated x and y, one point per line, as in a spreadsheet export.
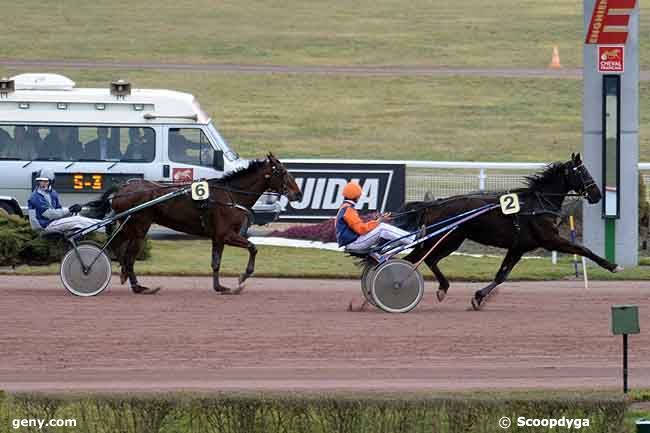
98	209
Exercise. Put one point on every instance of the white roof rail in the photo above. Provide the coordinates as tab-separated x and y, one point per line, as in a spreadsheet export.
42	82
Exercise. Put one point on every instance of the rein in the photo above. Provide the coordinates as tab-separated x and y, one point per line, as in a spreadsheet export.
185	184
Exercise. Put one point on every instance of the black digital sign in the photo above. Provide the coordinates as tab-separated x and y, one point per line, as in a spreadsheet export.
88	182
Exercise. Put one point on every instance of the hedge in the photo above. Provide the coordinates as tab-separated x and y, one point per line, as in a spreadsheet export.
228	413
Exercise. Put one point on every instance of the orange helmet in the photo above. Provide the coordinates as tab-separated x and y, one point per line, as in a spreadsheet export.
352	191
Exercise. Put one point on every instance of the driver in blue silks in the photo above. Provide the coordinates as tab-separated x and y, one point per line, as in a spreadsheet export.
46	212
355	234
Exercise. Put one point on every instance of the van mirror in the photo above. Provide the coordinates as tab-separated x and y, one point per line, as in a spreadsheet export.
217	160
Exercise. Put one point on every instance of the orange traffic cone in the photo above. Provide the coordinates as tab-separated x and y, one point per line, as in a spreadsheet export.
555	60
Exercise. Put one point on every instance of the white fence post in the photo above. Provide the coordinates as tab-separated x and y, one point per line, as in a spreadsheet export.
481	180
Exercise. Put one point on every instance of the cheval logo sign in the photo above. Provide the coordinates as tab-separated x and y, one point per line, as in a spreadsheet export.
182	174
322	184
609	22
610	59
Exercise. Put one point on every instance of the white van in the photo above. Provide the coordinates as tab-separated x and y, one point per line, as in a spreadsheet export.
93	138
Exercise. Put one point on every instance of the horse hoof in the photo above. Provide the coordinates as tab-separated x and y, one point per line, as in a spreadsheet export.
142	290
357	310
223	290
476	303
440	294
243	277
618	269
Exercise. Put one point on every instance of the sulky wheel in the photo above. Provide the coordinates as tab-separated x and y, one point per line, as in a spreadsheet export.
396	287
366	279
91	280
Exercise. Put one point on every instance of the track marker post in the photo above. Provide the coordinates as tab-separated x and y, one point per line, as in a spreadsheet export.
625	320
572	226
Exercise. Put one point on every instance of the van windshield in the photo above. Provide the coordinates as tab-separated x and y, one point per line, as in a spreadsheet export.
227	151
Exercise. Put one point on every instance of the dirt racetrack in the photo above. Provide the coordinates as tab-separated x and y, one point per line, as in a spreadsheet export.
298	334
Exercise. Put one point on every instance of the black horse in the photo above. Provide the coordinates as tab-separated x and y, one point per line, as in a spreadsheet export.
533	227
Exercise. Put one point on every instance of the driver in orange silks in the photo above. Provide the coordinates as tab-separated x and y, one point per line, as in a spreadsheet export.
355	234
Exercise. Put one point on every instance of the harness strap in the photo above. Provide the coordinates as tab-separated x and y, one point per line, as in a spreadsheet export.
515	222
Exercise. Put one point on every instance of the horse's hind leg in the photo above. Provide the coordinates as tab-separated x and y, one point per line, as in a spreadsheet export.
509	262
135	233
443	282
134	248
447	247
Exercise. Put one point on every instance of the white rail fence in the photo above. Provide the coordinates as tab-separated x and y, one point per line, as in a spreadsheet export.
445	178
442	178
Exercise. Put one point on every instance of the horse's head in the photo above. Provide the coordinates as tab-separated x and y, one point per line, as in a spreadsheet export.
579	179
280	180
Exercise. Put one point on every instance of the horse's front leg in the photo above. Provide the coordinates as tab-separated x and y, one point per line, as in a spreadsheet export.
509	262
564	246
236	240
217	252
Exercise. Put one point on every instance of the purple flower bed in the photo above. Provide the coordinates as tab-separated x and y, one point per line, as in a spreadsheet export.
324	231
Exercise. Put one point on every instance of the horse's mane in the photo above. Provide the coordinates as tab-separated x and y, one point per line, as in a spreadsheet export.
252	167
550	174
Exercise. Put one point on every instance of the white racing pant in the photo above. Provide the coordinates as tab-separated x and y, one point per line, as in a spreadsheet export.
382	231
71	223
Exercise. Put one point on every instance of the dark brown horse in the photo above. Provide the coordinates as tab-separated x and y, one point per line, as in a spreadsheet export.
533	227
220	217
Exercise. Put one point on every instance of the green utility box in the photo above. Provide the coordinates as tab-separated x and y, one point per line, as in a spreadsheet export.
643	426
625	319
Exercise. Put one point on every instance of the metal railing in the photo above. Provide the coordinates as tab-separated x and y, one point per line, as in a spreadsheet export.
442	179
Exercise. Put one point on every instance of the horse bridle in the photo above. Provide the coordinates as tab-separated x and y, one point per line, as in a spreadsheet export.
584	182
275	171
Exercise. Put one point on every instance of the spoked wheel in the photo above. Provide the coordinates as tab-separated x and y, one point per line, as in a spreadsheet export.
366	280
86	271
396	287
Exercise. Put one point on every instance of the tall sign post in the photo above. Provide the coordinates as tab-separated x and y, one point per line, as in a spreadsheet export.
625	320
611	126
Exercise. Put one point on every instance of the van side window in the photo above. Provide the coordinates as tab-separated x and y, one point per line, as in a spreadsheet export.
20	142
77	143
190	146
138	144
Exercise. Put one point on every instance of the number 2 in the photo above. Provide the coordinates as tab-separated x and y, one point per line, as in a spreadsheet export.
509	204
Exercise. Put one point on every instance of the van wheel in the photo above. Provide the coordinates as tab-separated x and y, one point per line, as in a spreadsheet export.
7	208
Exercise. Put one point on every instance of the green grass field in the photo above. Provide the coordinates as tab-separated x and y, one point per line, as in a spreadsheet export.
193	258
427	118
501	33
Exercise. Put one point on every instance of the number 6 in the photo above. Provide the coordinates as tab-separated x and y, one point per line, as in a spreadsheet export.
200	190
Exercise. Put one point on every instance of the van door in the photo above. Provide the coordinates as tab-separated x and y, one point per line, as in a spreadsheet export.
189	153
